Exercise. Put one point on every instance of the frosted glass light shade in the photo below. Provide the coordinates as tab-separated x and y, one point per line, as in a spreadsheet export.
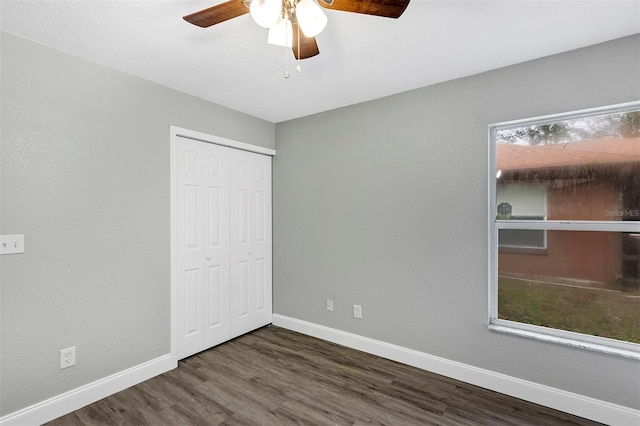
281	34
311	18
265	12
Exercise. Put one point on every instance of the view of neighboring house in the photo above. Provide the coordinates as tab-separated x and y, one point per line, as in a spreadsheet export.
592	180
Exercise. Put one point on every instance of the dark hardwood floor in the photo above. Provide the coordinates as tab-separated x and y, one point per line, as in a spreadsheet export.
277	377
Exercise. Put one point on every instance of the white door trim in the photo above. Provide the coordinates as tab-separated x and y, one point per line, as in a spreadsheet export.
176	132
192	134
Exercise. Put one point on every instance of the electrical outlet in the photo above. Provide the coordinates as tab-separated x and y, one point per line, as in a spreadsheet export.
357	311
330	305
67	357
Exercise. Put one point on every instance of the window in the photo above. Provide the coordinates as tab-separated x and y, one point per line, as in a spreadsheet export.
565	228
521	201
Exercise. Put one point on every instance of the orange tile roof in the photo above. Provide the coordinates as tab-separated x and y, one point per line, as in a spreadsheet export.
590	152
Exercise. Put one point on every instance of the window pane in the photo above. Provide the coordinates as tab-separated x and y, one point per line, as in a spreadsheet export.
525	200
582	169
525	238
586	282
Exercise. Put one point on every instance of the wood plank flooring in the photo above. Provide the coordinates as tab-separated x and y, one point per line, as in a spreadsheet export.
277	377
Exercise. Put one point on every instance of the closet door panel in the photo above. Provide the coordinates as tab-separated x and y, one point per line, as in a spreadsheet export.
189	246
201	225
216	235
250	242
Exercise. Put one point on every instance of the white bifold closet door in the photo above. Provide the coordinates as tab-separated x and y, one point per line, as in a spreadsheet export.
222	243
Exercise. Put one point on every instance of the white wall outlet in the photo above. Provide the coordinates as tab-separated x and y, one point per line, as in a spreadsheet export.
357	311
330	305
11	244
67	357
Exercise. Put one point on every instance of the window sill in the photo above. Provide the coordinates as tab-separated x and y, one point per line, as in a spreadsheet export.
503	327
523	250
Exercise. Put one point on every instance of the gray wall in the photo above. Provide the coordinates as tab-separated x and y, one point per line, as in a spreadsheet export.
384	204
85	176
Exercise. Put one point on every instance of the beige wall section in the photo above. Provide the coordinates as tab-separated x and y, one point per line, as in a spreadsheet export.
384	204
85	177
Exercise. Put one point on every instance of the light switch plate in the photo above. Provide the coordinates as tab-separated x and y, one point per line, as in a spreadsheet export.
11	244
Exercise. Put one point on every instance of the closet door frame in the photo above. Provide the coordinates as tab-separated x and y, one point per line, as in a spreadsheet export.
175	133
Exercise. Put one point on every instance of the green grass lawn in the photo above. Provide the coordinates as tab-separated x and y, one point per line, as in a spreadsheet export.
587	311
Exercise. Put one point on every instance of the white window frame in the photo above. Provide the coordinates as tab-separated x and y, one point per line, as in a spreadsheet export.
568	338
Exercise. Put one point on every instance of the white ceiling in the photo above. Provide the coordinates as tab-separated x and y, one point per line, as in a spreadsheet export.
361	57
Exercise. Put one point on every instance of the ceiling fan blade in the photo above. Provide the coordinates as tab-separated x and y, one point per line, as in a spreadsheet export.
218	13
303	47
385	8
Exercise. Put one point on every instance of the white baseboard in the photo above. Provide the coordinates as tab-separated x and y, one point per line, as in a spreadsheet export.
572	403
74	399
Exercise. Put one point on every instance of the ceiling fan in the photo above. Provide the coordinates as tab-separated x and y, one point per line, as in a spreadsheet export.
294	23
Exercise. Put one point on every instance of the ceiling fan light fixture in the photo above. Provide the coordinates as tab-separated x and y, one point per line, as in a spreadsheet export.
281	34
311	18
304	16
265	12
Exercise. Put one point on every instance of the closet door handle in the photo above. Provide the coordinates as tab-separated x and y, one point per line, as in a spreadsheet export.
250	252
208	257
